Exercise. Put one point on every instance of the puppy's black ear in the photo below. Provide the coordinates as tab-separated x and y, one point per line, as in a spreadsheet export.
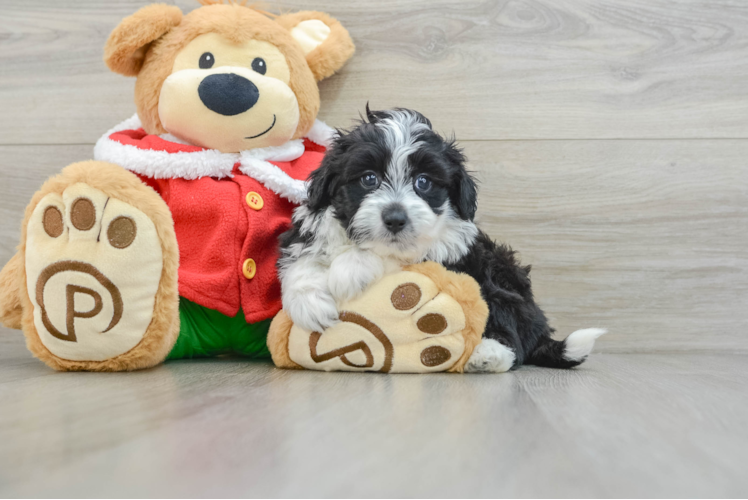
322	183
467	202
464	193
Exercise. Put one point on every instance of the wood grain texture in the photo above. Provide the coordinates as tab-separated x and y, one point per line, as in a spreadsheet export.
489	69
646	238
23	170
639	425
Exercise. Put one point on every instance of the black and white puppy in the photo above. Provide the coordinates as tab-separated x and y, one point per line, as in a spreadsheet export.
392	192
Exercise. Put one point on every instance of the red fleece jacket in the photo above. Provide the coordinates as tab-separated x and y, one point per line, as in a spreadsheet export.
223	218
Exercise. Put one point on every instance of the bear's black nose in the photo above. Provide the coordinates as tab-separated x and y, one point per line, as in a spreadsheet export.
395	218
228	94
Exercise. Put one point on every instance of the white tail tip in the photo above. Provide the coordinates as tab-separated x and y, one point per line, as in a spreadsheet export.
580	343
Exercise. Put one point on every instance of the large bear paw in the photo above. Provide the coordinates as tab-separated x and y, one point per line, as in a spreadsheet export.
423	319
102	291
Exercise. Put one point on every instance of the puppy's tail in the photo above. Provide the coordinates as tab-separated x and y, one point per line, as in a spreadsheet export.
567	353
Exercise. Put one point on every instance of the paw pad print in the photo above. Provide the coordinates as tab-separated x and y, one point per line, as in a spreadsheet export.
403	323
93	266
120	233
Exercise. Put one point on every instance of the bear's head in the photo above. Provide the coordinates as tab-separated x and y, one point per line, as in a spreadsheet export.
227	76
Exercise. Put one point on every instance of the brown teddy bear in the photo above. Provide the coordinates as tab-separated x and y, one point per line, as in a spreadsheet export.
165	247
204	178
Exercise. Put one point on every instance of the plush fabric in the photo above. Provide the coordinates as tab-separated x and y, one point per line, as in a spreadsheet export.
277	342
216	229
310	34
163	329
115	278
468	293
127	45
238	24
423	319
194	194
205	332
10	294
330	55
238	98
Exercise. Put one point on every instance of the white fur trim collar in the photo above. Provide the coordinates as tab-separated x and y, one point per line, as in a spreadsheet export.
321	134
254	163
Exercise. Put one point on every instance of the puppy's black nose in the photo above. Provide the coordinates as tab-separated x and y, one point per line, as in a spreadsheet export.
395	218
228	94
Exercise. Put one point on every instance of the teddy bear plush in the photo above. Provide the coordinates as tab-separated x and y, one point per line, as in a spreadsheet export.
165	246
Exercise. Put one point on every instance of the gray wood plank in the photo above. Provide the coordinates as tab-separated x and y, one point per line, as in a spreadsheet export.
646	238
488	69
619	426
23	170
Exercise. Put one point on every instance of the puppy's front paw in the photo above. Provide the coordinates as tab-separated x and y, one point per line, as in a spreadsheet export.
315	312
352	272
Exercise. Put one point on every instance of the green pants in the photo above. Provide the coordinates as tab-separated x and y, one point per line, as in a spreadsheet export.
204	332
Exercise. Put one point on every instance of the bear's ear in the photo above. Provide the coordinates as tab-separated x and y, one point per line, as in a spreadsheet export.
126	47
324	40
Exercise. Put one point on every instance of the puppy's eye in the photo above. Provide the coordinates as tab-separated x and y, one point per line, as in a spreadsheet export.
259	65
423	184
207	60
370	180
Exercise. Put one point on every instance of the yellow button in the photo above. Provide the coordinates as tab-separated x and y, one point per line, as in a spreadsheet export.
249	269
255	201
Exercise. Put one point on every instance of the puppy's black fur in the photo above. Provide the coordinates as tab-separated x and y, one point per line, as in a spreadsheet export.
515	319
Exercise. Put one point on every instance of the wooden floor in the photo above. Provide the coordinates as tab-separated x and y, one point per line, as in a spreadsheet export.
625	425
611	139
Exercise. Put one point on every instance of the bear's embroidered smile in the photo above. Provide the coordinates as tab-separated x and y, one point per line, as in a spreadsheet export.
265	132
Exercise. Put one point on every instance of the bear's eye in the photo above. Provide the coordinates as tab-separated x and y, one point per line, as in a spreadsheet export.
207	60
423	184
259	65
370	180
